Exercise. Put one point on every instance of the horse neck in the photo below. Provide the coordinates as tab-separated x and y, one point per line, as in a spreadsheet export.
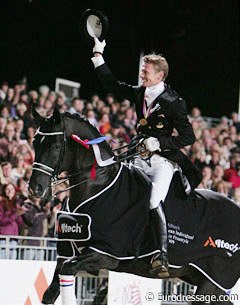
83	161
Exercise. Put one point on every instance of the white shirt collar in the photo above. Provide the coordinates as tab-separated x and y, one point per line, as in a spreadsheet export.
152	92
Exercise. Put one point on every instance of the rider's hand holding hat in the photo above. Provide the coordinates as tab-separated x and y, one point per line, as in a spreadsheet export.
99	46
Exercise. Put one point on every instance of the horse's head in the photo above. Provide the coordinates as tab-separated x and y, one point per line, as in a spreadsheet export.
56	151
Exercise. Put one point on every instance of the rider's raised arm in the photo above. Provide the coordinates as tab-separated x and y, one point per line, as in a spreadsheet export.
106	77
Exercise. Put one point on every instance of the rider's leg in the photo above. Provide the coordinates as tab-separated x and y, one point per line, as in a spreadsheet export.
162	172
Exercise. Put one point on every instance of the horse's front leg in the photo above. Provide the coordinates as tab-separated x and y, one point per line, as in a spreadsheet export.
89	261
53	290
67	281
67	289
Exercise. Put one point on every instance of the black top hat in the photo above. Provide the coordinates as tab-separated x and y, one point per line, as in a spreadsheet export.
93	23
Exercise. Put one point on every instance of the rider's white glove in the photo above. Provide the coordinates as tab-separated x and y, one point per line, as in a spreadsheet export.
99	46
152	144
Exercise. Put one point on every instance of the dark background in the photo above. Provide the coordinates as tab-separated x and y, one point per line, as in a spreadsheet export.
39	39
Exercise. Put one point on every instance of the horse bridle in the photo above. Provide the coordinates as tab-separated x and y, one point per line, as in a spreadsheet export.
52	172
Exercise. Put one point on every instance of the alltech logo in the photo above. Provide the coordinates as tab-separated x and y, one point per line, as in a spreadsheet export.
65	228
222	244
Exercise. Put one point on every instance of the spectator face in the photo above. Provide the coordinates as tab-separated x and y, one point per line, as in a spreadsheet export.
114	107
24	98
105	118
206	133
20	161
106	109
17	88
91	114
3	123
44	90
208	142
233	130
9	131
10	191
234	117
213	132
19	125
63	108
236	194
100	105
5	88
30	132
129	114
207	172
95	98
33	95
28	174
23	186
10	93
5	112
52	96
228	142
21	109
48	106
218	171
89	106
7	170
78	105
110	99
195	125
224	121
195	112
41	101
60	101
215	156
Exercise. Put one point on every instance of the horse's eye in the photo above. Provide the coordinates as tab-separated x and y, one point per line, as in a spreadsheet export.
58	146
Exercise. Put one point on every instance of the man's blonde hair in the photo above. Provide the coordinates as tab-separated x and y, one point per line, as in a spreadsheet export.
159	62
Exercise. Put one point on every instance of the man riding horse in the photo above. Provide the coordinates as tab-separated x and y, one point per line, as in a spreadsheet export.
159	110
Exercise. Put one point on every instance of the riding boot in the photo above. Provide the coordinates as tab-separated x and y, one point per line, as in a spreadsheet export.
159	230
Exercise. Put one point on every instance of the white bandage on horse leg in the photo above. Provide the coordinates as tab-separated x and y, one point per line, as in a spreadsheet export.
67	289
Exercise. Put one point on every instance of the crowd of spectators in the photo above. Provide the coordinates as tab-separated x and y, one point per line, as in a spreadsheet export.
216	152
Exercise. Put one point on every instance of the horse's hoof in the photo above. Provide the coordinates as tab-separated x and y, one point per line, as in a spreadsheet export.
159	269
95	273
163	274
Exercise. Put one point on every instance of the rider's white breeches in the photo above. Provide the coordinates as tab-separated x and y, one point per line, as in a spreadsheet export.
161	173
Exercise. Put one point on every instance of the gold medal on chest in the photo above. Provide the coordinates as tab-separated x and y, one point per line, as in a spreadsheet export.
143	122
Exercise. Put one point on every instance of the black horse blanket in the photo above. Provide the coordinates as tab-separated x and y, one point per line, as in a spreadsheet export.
203	227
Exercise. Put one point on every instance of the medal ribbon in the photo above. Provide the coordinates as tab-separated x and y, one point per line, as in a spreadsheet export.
146	111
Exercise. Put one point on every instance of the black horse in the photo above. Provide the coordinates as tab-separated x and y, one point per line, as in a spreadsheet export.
104	224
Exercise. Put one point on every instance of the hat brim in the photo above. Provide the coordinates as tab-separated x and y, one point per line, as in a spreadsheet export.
93	23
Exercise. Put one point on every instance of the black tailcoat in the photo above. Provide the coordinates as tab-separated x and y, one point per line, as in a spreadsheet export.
169	112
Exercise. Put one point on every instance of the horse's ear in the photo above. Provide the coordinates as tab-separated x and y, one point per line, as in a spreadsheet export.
56	115
36	115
